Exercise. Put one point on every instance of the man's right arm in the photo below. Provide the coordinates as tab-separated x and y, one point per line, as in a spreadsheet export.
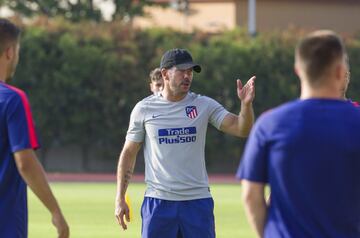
124	172
255	205
33	174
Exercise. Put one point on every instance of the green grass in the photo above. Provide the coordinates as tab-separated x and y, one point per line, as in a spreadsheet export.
89	209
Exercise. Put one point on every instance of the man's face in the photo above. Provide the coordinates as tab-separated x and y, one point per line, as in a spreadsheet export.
180	80
13	61
156	86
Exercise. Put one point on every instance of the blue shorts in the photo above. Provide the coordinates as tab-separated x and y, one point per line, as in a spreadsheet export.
178	219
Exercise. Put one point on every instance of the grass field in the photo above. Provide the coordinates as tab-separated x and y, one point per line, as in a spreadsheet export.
89	209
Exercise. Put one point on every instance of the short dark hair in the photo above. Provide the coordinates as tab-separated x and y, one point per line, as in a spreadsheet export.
155	75
318	51
9	33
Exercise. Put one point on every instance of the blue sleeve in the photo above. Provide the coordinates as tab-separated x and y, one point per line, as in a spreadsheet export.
17	125
254	163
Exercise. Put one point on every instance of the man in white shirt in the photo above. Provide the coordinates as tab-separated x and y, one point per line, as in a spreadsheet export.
172	126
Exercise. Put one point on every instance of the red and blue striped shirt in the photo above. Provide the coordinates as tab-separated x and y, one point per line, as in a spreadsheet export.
17	132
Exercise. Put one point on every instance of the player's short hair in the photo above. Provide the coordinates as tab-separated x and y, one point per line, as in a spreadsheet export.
318	51
9	34
155	75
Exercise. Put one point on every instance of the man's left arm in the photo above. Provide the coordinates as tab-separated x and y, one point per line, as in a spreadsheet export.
255	205
240	125
34	175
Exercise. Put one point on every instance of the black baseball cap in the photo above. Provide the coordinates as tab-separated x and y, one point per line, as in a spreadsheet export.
180	58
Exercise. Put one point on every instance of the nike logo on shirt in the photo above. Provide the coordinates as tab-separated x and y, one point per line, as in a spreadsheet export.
155	116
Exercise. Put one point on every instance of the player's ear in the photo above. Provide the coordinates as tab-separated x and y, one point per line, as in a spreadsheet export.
297	68
10	52
338	70
164	74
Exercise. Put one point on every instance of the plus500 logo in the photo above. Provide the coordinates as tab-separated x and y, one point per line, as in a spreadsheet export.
177	135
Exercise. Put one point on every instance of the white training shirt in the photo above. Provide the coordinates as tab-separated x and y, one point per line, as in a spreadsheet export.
174	136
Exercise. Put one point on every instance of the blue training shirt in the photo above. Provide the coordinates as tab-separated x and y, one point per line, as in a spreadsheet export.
309	153
16	133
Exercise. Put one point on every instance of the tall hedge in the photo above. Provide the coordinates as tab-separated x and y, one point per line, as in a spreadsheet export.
83	80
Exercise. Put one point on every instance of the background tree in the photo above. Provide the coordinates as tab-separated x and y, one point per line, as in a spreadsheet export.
71	10
128	9
75	11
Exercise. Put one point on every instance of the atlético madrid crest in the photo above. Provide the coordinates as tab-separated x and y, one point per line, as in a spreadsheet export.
191	112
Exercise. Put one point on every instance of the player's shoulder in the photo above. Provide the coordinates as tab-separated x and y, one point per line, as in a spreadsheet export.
11	92
197	96
354	103
286	107
355	109
146	102
270	112
149	99
200	97
279	112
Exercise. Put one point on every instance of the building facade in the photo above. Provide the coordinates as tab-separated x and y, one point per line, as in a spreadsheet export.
212	16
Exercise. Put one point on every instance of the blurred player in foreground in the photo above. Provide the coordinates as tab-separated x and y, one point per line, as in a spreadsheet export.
308	152
18	162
